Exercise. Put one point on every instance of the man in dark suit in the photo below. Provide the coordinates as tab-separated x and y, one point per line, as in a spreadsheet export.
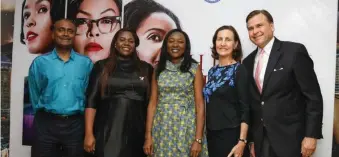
287	106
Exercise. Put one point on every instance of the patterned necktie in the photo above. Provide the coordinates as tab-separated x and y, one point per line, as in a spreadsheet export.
258	70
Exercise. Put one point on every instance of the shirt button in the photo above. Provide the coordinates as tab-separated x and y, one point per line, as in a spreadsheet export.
262	119
64	85
262	103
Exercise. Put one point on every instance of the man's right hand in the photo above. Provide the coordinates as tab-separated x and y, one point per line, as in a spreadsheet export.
89	143
252	152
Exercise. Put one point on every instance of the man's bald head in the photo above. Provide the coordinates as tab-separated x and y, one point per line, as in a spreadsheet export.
64	31
63	21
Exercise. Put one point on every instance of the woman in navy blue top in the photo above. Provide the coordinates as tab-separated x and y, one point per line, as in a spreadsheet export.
227	108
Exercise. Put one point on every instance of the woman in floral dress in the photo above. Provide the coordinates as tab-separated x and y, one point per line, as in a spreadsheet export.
175	116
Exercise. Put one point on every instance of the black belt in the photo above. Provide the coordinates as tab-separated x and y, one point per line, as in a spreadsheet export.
61	116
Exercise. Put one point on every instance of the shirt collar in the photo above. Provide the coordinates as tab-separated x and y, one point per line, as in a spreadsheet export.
56	56
268	47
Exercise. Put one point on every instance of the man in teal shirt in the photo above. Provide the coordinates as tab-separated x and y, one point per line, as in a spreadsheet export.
57	83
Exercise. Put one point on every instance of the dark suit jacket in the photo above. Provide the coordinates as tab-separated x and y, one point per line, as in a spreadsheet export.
290	106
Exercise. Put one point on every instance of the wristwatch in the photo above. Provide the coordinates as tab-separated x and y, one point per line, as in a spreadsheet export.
198	140
243	140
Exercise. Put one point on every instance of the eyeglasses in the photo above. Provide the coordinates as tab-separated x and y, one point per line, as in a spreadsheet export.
105	24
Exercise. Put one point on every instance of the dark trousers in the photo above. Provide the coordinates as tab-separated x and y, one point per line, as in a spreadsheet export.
221	142
266	148
57	136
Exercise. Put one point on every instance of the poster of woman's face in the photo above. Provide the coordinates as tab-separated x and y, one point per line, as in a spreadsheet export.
151	21
37	17
36	25
97	22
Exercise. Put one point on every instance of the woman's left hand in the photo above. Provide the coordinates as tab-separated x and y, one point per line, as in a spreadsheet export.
195	149
237	150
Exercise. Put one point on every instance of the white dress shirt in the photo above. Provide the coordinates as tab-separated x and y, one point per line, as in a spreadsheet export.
267	51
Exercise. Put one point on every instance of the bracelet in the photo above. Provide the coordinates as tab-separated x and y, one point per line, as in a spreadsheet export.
243	140
198	140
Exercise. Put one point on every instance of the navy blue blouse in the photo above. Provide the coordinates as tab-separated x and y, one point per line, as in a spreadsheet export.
227	97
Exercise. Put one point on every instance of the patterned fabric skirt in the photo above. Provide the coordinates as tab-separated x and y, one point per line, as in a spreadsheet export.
174	131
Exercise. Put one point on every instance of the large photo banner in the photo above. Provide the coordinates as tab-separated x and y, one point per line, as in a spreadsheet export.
106	16
310	22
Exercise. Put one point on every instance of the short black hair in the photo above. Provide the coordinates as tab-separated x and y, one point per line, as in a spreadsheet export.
69	20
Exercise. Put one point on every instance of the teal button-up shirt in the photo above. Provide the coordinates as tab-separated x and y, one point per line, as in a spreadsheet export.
57	86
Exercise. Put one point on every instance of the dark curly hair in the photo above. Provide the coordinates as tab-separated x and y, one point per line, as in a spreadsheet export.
237	52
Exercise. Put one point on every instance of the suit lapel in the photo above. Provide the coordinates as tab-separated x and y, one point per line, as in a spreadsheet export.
251	68
251	61
272	61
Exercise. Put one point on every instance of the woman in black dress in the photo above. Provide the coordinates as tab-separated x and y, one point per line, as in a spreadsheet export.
227	108
117	98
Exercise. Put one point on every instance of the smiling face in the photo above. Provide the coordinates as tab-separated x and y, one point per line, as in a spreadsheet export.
94	43
176	45
125	44
37	24
260	30
151	33
63	34
225	43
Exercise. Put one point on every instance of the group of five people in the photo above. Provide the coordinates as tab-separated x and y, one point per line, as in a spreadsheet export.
123	107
